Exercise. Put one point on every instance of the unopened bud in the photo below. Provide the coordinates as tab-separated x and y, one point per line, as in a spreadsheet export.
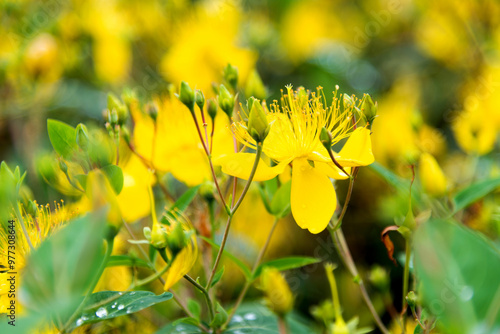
255	87
277	291
113	117
258	125
82	137
412	299
369	109
207	191
121	109
379	278
176	239
152	111
432	177
63	166
326	138
212	108
158	236
231	76
126	134
199	98
226	101
186	96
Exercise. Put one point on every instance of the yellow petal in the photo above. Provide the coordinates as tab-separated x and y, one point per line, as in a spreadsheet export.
313	198
357	151
240	165
330	170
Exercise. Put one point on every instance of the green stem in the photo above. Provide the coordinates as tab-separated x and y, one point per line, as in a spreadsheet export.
348	198
231	214
151	278
406	279
109	250
205	293
345	254
248	283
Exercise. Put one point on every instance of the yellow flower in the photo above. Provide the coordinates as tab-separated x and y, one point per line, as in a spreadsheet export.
431	176
294	138
173	145
278	294
39	227
204	44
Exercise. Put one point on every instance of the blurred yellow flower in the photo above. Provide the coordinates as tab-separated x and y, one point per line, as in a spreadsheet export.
431	176
39	226
173	145
294	138
278	294
204	44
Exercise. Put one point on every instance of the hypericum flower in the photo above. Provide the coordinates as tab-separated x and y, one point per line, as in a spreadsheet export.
294	138
432	177
39	225
278	294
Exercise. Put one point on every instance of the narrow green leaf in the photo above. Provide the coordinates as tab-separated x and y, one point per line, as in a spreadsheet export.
62	137
218	276
474	192
111	304
115	177
124	260
243	267
393	179
180	205
286	263
186	320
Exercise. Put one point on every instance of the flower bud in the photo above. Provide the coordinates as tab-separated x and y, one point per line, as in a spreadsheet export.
113	117
231	76
63	166
258	125
412	299
158	236
121	109
277	291
255	87
369	108
431	176
326	138
126	134
379	278
199	98
207	191
226	101
212	108
186	96
176	239
152	111
82	137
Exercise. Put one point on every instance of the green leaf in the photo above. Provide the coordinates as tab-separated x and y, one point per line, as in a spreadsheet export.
459	271
280	204
393	179
286	263
220	316
124	260
217	276
61	269
194	307
62	137
115	177
243	267
252	318
111	304
186	320
180	205
474	192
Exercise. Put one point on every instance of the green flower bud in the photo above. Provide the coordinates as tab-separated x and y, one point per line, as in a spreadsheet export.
158	236
82	137
186	96
226	101
176	239
63	166
258	125
412	299
212	108
113	117
369	108
126	134
121	109
199	98
255	87
152	111
231	76
379	278
207	191
326	138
